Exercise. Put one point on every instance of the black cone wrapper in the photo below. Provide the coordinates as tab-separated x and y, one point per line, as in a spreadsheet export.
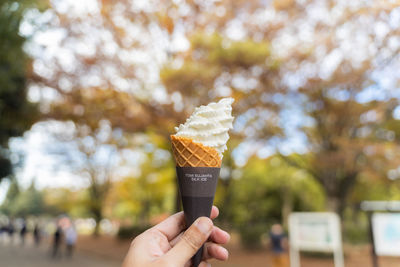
197	186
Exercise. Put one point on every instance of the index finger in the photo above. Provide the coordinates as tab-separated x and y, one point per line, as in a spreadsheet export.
175	224
172	226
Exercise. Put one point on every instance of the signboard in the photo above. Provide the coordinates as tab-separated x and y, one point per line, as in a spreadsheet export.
315	231
386	231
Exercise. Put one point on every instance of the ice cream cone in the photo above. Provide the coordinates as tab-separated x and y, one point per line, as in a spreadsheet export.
189	153
197	169
198	146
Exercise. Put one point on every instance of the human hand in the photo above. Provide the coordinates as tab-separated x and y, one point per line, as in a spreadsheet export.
165	245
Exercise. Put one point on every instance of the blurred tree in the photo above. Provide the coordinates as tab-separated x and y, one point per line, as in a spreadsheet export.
91	154
344	101
328	75
390	130
343	144
17	114
264	190
344	75
23	203
32	201
109	84
140	197
77	205
326	81
11	196
104	85
320	57
29	202
216	66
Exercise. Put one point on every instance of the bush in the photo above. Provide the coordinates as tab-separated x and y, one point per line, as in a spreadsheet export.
251	235
355	233
355	227
129	232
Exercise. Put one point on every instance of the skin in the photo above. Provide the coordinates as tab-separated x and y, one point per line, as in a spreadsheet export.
166	245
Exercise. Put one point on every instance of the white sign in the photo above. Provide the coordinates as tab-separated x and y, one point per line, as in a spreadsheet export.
315	231
386	231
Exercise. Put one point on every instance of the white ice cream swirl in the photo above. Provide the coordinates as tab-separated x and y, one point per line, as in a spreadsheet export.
209	125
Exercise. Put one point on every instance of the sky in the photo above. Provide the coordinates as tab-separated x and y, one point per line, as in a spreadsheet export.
38	164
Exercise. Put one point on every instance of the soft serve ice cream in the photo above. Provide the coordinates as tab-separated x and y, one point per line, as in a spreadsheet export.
209	125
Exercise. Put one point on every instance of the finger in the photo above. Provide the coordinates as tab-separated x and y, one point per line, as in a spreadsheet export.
204	264
214	212
214	251
191	241
175	241
172	226
219	236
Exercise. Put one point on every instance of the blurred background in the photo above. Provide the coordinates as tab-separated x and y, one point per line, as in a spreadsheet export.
91	90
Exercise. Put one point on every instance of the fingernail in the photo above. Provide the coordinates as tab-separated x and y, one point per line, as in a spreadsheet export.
228	235
204	225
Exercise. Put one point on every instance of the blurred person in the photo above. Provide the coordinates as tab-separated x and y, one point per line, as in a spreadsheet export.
3	230
277	236
167	244
37	235
22	232
57	238
10	231
70	239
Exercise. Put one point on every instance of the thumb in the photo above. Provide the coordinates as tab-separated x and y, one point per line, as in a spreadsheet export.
191	241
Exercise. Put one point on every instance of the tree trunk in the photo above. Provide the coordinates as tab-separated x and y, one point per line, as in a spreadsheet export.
337	191
332	203
336	204
98	216
287	206
98	193
144	215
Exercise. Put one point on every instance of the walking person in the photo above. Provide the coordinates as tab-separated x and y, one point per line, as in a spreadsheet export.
3	231
22	232
37	235
57	238
70	240
277	236
10	230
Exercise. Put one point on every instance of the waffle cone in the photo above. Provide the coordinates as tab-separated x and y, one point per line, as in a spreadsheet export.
188	153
